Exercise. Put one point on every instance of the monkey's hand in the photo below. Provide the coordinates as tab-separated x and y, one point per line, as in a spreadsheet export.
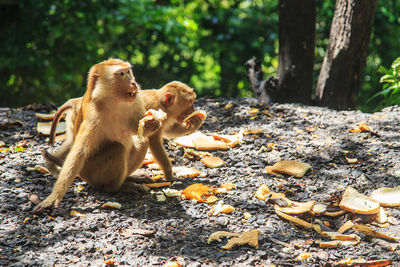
194	122
48	202
151	126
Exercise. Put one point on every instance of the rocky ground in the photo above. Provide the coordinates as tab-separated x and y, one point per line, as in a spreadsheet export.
146	232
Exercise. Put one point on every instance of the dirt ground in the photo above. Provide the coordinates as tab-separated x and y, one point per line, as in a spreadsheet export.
149	232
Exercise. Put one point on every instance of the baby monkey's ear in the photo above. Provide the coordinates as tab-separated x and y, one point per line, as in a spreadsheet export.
169	99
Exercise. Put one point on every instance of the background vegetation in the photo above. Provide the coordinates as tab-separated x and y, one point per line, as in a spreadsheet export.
48	46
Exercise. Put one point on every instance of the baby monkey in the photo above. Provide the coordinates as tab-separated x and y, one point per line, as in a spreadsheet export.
101	146
175	99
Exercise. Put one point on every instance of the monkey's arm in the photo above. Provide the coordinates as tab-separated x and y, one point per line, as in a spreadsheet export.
71	168
178	129
161	156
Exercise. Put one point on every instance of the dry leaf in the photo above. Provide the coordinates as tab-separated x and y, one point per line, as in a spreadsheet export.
198	192
187	140
387	196
212	162
291	167
296	207
114	205
358	203
371	232
295	220
44	127
208	143
262	192
246	238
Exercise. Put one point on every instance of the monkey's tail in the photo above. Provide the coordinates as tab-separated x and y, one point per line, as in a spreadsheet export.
56	120
49	157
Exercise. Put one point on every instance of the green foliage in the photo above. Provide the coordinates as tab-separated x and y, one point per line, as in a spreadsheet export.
390	93
48	46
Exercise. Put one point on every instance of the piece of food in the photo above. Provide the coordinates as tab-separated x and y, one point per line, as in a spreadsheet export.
158	115
220	207
186	172
296	207
382	216
201	114
228	186
208	143
291	167
346	226
158	185
295	219
44	127
318	209
371	232
216	236
187	140
114	205
212	162
358	203
198	192
246	238
262	192
387	196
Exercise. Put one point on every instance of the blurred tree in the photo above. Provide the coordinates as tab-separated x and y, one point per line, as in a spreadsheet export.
342	70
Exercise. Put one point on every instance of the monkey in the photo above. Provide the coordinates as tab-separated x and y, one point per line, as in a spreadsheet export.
176	99
106	118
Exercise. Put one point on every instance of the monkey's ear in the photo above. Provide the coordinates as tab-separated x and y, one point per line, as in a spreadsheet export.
169	99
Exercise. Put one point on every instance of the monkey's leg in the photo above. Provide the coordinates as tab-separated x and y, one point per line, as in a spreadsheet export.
56	160
161	156
136	157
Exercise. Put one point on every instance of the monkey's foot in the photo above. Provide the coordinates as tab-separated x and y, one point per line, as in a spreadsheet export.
47	203
140	179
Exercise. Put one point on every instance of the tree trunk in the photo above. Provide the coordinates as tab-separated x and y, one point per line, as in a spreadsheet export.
296	51
344	62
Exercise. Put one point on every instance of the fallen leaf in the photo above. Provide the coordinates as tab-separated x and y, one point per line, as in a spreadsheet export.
358	203
262	192
187	140
387	196
44	127
291	167
212	162
198	192
246	238
114	205
371	232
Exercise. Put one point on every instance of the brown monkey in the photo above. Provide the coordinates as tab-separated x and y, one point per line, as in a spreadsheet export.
107	118
175	98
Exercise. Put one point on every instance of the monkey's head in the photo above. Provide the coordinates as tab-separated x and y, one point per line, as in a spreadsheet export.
114	78
178	99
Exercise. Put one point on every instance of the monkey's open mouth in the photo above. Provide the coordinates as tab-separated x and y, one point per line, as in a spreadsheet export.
132	93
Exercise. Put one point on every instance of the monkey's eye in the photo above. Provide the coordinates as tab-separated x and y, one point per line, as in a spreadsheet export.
122	74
